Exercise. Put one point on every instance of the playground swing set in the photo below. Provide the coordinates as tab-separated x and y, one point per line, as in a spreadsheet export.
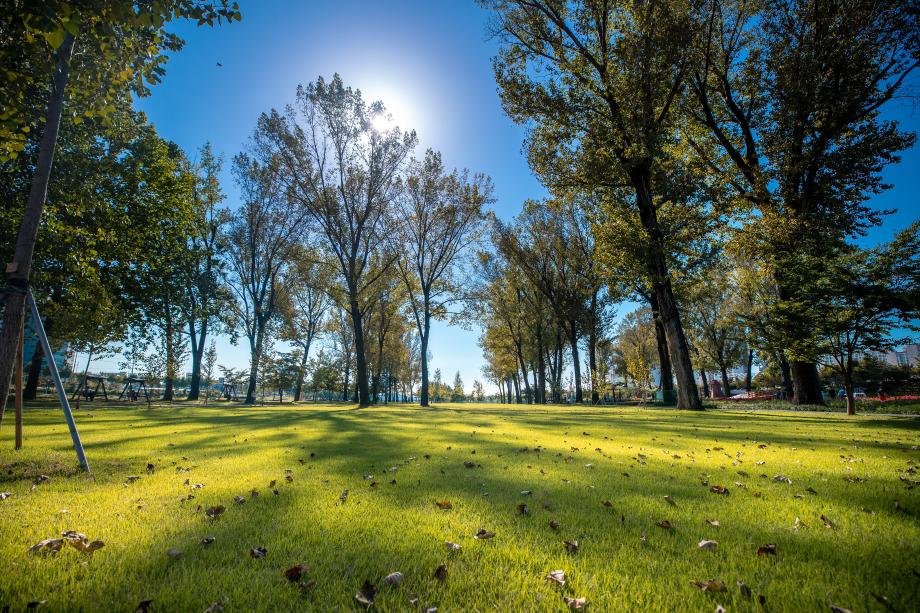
133	389
84	391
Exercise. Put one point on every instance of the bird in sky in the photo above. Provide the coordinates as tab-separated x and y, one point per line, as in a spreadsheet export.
219	65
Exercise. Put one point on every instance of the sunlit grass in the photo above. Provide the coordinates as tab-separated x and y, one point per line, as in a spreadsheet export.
872	550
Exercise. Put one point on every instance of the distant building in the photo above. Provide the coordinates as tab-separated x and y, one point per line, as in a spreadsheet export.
61	355
908	355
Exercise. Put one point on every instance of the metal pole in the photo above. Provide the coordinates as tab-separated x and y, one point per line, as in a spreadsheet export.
62	395
18	376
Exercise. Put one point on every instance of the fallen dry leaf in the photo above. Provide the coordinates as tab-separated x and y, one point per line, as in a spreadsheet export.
718	489
143	606
670	501
5	495
554	524
452	546
239	499
523	509
444	505
556	577
344	496
665	524
711	585
482	533
575	604
827	522
367	594
607	503
767	550
80	542
175	554
713	522
294	573
782	479
441	571
215	511
836	609
258	552
708	545
47	546
643	537
394	578
571	546
207	540
744	589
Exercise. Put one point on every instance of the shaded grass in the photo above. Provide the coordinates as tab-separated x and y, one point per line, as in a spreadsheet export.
231	450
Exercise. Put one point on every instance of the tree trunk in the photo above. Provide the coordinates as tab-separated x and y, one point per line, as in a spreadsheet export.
661	339
35	371
425	394
749	367
726	386
540	383
687	395
298	390
786	375
806	383
357	319
576	363
592	350
705	383
255	346
20	268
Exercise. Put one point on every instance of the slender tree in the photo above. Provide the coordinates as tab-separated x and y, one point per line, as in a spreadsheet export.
345	173
439	216
261	237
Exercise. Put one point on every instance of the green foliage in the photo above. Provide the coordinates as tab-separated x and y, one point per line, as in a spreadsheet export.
120	49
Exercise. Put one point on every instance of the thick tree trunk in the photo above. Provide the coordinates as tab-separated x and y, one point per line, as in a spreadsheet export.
19	270
705	383
786	375
687	395
806	383
848	388
576	363
726	386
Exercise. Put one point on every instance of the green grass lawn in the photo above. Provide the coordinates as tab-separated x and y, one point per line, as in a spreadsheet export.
397	461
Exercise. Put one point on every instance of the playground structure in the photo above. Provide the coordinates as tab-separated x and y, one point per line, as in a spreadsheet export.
133	388
229	392
84	391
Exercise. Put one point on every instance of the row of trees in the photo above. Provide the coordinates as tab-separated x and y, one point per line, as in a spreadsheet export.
340	232
696	138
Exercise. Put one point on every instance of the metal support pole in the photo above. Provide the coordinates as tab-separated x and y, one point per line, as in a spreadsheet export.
18	376
62	395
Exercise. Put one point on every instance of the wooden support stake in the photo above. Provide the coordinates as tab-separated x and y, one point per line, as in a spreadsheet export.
18	376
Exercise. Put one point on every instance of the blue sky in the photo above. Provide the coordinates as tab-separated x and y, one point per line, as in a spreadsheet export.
429	61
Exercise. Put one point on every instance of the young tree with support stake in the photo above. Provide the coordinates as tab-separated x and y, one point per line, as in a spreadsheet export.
110	48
